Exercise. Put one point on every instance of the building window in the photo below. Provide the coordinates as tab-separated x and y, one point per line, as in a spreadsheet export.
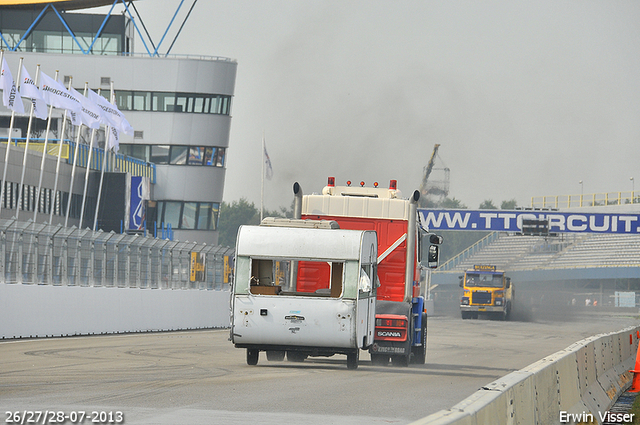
204	216
176	154
124	100
171	215
220	158
193	103
162	101
214	214
189	215
136	151
196	154
159	154
141	101
208	155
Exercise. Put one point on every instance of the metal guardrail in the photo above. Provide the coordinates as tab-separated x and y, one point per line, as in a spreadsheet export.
181	56
35	253
585	200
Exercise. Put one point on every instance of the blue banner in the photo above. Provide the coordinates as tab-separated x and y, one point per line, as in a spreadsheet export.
136	205
511	221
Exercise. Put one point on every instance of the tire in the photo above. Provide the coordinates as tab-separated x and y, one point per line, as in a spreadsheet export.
379	359
352	359
275	355
252	356
420	352
296	356
466	315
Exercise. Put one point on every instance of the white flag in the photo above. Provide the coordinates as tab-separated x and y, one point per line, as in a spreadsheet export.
112	113
57	96
10	96
268	171
29	89
113	140
90	114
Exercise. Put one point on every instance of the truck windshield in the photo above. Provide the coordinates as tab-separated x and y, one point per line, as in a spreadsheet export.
484	280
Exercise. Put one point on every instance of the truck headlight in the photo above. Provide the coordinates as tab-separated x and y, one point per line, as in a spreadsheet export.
498	301
465	301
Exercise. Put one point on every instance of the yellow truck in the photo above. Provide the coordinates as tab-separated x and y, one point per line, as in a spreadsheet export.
486	290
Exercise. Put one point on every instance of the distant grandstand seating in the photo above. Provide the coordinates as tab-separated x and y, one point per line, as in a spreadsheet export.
600	251
515	252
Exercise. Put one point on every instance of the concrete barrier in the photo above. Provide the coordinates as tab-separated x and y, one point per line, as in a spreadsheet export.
575	384
47	310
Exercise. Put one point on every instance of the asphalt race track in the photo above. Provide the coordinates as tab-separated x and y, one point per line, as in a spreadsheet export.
198	377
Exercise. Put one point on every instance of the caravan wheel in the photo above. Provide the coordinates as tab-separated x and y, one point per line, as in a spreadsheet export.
352	359
252	356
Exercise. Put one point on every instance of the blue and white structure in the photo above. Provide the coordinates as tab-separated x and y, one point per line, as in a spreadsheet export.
179	108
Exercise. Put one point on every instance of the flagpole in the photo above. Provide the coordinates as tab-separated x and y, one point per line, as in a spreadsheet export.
262	181
26	146
104	165
86	175
44	153
6	156
73	167
55	184
3	183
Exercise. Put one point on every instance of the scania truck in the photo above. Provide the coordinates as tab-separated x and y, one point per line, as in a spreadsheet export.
406	253
486	290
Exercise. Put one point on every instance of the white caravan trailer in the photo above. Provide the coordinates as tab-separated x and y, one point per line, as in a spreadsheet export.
304	288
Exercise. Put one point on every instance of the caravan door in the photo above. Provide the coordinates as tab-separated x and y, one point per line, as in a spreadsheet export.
366	300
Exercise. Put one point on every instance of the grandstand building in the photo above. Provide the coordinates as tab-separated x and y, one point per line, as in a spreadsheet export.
178	106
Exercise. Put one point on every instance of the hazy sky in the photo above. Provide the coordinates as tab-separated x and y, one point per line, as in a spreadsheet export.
525	98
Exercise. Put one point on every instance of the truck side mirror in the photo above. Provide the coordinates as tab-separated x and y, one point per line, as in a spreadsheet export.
508	282
433	255
460	284
429	248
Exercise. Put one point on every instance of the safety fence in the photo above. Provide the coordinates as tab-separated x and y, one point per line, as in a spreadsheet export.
576	385
585	200
43	254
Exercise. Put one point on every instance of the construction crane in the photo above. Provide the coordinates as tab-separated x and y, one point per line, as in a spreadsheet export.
428	169
430	187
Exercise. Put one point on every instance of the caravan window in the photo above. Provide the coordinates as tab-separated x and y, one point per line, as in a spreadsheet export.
364	284
295	277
